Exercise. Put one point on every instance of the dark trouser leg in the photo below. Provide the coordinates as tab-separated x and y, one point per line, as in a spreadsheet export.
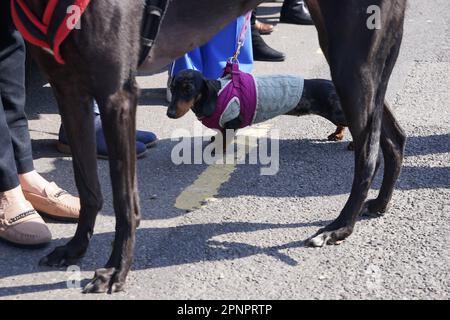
261	50
295	12
15	145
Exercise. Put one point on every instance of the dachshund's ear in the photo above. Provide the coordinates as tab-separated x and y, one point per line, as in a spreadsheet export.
209	97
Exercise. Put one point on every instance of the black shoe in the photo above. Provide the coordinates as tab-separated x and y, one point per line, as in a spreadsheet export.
295	12
262	52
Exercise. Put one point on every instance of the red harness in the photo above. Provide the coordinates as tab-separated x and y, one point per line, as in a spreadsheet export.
49	31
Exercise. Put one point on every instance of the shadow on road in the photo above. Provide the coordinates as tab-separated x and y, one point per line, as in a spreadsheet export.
180	245
307	168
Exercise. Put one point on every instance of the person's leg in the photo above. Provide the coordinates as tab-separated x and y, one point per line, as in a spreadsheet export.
144	139
19	222
261	50
147	138
222	47
263	28
56	202
211	58
8	171
191	60
12	82
14	125
295	12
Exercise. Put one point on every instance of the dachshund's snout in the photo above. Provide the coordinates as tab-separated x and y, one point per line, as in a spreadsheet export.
172	114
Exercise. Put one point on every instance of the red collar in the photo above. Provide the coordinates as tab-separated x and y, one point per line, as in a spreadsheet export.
48	32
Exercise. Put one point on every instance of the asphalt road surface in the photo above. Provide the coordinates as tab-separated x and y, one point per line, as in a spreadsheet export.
214	232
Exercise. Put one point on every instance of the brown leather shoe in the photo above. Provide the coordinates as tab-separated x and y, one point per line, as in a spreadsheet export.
57	203
22	226
263	28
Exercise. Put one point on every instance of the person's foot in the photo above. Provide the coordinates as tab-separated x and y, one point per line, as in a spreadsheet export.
262	52
21	225
295	12
144	140
55	203
47	198
263	28
148	138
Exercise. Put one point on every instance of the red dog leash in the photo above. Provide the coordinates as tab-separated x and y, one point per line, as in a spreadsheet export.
241	40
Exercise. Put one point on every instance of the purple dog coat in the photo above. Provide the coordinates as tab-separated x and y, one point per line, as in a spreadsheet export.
241	86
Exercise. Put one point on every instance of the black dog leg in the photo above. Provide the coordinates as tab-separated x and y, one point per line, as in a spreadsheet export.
75	104
119	111
320	98
360	67
393	141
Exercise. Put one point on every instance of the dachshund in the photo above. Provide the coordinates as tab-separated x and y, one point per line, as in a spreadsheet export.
192	91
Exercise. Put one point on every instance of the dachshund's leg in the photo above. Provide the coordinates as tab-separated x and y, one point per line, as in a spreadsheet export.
75	105
118	112
320	98
361	66
338	135
222	140
229	136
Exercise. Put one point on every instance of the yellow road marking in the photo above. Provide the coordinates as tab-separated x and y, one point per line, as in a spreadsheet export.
208	183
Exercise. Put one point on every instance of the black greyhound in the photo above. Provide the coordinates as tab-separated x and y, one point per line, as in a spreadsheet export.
101	63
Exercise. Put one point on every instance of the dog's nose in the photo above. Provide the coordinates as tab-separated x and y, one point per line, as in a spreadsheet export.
172	114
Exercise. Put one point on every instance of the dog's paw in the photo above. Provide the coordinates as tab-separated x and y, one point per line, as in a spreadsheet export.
335	137
105	280
328	237
61	257
373	209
